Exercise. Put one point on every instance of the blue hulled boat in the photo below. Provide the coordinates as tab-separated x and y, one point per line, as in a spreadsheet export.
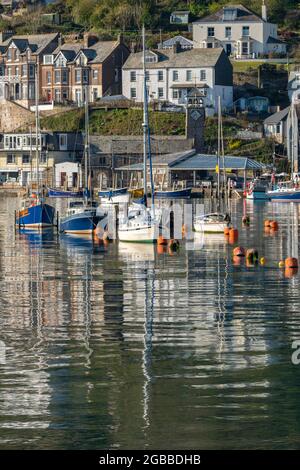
52	192
81	218
37	214
285	192
110	193
176	194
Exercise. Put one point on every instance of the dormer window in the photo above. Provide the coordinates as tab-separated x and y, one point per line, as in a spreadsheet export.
151	58
61	61
48	59
229	14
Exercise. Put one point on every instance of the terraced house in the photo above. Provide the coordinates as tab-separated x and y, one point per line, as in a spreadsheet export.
73	67
19	58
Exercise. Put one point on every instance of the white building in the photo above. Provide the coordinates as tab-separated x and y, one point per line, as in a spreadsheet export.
172	74
242	33
68	175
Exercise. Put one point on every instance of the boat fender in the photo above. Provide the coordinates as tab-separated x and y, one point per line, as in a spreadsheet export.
239	251
291	263
281	264
233	233
267	223
262	261
226	231
290	272
252	255
173	244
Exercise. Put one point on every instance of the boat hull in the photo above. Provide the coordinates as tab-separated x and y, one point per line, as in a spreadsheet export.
211	227
178	194
60	193
257	196
112	193
118	199
36	216
143	234
81	223
284	196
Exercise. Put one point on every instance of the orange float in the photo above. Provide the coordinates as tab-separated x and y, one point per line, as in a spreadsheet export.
237	260
290	272
274	225
226	231
291	263
233	235
161	240
267	223
161	249
239	251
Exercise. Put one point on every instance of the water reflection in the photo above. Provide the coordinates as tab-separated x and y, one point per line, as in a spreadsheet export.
123	346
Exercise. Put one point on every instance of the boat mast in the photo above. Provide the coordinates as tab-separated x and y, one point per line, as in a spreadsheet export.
219	144
145	120
86	146
37	124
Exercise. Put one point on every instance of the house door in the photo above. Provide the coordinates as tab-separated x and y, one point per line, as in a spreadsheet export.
63	178
74	180
228	49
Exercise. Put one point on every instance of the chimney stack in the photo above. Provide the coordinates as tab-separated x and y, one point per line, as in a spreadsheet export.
264	14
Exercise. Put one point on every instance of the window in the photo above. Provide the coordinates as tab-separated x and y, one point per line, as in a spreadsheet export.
175	75
209	45
64	74
245	50
245	31
177	94
48	78
133	76
63	141
116	75
57	95
202	75
160	75
24	70
229	14
9	71
228	32
150	58
57	76
9	54
10	159
210	32
17	71
17	55
61	62
85	75
188	75
160	93
65	95
95	74
77	76
133	93
31	70
31	91
278	128
147	75
25	159
48	59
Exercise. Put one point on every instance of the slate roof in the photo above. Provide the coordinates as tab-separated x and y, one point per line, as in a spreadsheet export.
277	117
272	40
36	42
184	58
184	42
196	161
243	14
97	53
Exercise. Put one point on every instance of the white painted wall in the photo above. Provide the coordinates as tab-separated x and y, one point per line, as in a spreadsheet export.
69	168
210	100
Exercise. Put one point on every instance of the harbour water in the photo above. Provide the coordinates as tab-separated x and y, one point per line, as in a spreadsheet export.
124	347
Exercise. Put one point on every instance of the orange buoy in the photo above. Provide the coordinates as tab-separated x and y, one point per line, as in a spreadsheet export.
239	251
237	260
161	240
233	235
226	231
274	225
290	272
291	263
161	249
267	223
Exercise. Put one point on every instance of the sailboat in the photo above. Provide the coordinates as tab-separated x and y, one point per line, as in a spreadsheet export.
82	217
215	222
142	223
35	213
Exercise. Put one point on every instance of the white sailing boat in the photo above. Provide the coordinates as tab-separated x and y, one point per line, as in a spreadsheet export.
141	225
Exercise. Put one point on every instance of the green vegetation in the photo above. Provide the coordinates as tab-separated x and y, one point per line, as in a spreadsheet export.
116	122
